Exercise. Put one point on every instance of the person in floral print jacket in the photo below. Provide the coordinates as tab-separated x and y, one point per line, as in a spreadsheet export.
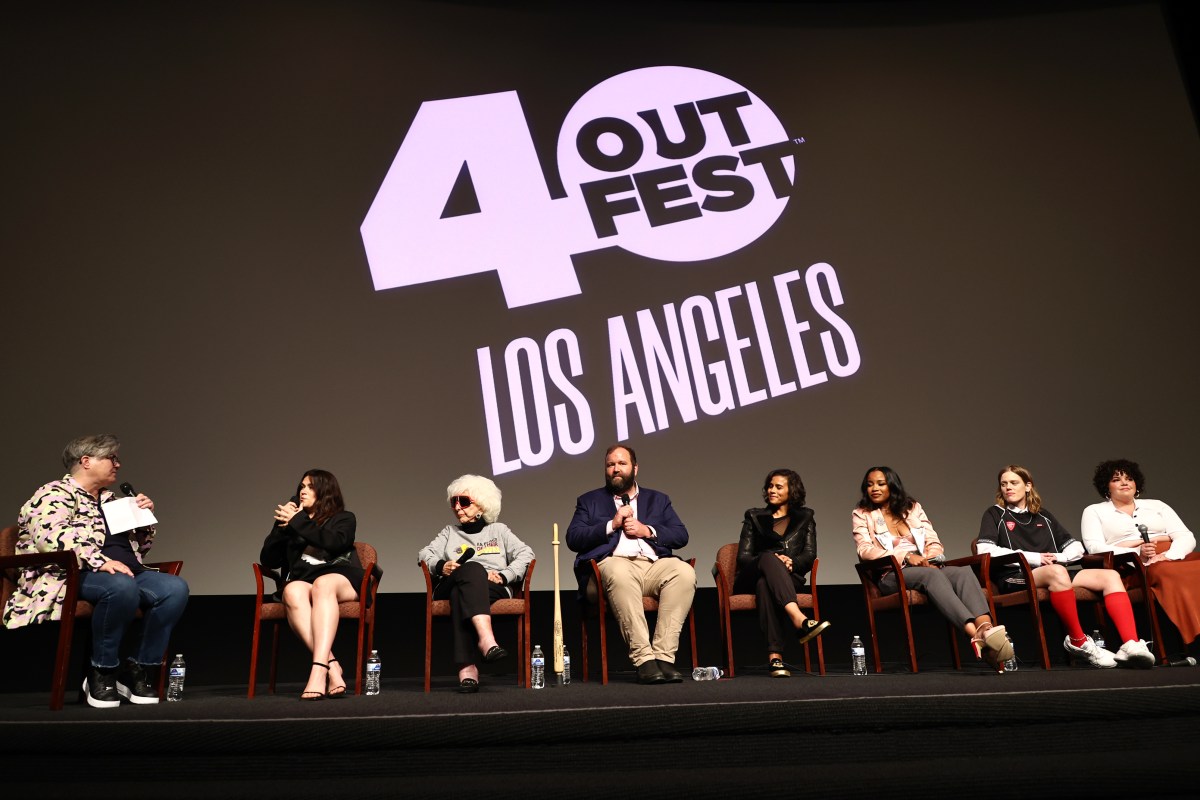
66	515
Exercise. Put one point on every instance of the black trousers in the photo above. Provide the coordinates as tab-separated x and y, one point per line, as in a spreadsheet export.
773	588
470	594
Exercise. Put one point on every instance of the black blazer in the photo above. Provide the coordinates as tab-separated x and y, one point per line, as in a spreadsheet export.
799	541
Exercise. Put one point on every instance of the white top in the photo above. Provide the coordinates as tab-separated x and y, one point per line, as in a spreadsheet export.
1103	526
627	545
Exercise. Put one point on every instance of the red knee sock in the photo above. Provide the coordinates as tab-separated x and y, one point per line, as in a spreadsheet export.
1118	607
1068	612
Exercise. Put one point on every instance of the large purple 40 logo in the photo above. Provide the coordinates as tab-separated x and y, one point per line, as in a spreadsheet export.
671	163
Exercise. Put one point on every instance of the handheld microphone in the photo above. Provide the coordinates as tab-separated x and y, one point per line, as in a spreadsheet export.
625	499
466	556
1142	529
295	501
1183	662
127	488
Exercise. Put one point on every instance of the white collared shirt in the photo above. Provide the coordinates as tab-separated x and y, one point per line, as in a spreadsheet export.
628	546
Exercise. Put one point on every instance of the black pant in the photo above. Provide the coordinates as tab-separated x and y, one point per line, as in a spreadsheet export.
773	587
470	594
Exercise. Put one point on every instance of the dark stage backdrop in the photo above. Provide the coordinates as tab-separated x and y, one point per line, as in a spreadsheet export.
403	241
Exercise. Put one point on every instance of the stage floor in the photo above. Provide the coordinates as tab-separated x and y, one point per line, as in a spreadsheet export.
1063	733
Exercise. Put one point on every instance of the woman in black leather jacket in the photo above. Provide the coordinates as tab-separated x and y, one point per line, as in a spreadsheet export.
776	551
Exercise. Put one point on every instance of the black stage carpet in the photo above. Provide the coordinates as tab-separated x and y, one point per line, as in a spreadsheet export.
1064	733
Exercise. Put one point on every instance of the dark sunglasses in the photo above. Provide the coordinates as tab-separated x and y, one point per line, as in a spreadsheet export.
461	501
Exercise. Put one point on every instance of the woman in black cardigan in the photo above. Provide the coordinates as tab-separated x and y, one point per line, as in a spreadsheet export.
776	550
312	544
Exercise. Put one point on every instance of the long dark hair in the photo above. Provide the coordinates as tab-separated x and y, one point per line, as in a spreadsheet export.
899	503
796	493
329	494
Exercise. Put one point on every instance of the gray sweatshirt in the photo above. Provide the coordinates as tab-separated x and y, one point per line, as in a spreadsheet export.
496	548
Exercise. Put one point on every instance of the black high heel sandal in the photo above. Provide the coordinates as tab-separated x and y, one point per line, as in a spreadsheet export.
337	692
312	696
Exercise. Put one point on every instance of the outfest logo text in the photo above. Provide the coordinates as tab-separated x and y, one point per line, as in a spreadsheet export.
670	163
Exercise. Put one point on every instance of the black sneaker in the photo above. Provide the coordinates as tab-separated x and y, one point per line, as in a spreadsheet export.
137	685
779	669
100	688
809	630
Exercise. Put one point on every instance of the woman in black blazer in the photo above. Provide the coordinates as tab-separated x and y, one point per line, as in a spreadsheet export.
776	550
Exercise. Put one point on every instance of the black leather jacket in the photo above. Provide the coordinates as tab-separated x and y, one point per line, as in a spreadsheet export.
799	541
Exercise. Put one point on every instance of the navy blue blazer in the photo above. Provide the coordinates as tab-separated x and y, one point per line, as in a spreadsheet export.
593	512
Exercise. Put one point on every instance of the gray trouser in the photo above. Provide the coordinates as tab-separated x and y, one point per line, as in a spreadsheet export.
953	591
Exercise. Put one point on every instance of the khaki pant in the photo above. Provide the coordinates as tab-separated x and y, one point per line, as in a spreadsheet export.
627	581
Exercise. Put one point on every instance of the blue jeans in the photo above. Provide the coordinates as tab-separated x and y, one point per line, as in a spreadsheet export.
117	599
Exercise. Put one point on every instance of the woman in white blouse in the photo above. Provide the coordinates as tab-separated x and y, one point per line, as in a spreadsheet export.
1126	522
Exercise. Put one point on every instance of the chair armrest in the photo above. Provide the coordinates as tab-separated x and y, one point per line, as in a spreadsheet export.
876	568
63	558
167	567
259	573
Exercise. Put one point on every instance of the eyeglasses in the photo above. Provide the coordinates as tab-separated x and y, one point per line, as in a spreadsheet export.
461	501
113	458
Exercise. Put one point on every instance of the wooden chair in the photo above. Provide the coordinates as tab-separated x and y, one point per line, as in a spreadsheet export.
598	611
516	606
869	574
267	609
73	608
1034	596
724	571
1030	596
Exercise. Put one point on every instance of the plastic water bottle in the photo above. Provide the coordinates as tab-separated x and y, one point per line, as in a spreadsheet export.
858	656
707	673
1098	638
374	672
537	667
1011	664
175	678
566	673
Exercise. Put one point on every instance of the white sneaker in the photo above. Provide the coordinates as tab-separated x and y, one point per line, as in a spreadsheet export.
1134	653
1096	656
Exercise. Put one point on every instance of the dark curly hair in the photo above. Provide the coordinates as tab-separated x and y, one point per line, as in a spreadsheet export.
796	493
329	494
899	503
1107	470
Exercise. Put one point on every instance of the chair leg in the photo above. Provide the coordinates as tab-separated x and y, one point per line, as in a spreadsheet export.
953	646
62	659
603	646
274	655
727	632
692	626
583	634
362	625
428	645
912	645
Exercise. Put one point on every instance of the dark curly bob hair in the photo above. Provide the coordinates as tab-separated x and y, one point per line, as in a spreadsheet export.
1107	470
796	493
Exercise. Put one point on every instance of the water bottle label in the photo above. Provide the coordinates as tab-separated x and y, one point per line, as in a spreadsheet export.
374	667
178	672
858	651
539	662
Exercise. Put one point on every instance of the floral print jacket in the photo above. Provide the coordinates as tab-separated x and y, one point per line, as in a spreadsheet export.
61	515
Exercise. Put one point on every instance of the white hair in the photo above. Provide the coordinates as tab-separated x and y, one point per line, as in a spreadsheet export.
483	491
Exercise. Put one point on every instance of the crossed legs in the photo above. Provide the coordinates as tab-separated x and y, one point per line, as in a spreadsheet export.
312	612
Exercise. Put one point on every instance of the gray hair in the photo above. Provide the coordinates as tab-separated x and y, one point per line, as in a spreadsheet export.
98	445
483	491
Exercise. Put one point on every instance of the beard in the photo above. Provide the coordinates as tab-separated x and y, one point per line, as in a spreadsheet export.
619	484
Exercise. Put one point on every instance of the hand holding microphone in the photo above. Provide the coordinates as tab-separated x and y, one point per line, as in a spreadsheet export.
1148	550
284	513
142	500
466	555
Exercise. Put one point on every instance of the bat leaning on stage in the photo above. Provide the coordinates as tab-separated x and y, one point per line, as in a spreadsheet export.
558	633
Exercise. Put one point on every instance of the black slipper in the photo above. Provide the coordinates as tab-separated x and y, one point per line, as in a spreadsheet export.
468	686
495	653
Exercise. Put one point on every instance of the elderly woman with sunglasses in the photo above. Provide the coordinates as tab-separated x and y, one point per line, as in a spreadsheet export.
474	563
